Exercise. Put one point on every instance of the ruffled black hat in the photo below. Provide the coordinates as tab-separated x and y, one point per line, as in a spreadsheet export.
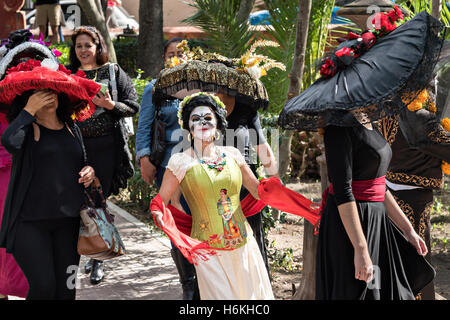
378	73
211	72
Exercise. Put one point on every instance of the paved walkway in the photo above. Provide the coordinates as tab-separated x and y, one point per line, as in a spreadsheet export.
146	272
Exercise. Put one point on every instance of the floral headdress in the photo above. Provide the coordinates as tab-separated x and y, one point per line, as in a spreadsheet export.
21	43
423	100
251	63
357	44
188	99
48	74
258	65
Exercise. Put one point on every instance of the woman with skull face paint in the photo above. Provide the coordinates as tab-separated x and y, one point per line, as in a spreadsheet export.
210	178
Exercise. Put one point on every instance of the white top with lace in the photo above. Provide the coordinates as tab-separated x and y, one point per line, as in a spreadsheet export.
181	162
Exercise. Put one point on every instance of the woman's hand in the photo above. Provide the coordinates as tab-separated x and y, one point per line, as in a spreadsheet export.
104	100
87	176
148	170
40	99
158	215
363	265
417	242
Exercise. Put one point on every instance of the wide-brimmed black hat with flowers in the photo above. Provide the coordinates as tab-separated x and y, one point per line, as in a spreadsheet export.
211	72
377	73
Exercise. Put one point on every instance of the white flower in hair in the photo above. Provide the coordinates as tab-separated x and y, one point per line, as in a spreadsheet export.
254	72
49	64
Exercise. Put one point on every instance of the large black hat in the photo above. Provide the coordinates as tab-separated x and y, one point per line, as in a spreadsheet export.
211	72
376	81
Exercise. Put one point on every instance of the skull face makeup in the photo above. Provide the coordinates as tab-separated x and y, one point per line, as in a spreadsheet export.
203	123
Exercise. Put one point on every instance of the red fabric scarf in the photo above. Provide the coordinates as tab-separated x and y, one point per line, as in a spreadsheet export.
177	224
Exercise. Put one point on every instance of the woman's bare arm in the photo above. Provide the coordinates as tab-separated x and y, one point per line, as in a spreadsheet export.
249	181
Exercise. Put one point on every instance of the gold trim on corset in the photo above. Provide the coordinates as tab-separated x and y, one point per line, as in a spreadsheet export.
405	178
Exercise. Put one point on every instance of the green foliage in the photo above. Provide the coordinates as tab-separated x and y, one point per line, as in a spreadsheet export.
317	38
64	48
224	34
416	6
281	259
140	192
284	28
284	14
126	54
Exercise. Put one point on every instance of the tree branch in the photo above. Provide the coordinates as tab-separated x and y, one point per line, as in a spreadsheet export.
245	9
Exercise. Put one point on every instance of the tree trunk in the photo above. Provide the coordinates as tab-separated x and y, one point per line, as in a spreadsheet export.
245	9
151	42
295	76
307	290
436	9
96	18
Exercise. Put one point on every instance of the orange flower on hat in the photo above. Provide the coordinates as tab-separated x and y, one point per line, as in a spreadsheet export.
446	124
415	105
445	168
423	96
432	107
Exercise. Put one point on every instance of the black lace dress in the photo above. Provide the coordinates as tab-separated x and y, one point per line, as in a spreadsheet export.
106	152
356	153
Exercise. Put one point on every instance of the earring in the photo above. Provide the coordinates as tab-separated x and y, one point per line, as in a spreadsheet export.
217	135
189	137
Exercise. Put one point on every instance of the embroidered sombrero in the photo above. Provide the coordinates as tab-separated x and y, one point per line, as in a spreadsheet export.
212	72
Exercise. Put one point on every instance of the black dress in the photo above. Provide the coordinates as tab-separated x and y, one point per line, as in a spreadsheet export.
356	153
107	152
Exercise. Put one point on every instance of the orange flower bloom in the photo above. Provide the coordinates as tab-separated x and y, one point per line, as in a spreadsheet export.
432	107
414	106
423	96
446	168
446	124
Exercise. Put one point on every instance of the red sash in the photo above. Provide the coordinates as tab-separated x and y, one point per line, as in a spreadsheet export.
177	224
363	190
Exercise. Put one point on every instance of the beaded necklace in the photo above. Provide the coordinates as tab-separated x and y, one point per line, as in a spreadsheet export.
217	164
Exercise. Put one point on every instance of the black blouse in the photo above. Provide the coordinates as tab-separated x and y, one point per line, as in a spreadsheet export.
354	153
103	121
54	191
244	124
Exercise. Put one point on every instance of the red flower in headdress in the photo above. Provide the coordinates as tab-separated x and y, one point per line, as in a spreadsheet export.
63	69
383	23
395	14
328	68
25	66
344	51
31	75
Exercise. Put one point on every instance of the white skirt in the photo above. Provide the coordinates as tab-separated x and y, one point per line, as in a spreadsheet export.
239	274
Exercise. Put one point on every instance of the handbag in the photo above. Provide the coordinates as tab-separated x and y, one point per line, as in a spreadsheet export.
158	145
98	238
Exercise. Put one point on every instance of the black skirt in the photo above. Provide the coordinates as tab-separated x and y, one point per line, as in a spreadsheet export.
399	271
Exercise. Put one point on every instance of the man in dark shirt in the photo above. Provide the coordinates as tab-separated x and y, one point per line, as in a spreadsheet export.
245	133
48	11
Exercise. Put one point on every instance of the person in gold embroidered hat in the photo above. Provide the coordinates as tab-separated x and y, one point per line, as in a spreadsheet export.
420	156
